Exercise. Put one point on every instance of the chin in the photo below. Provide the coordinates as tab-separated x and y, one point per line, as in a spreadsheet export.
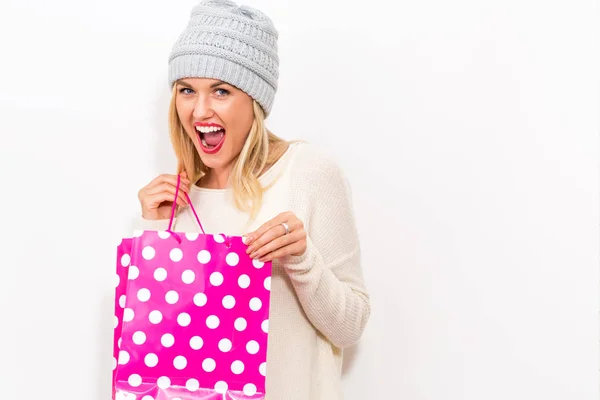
213	161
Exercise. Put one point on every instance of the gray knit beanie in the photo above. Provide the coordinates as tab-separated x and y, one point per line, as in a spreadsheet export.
237	45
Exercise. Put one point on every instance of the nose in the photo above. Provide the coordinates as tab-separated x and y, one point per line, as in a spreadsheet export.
203	108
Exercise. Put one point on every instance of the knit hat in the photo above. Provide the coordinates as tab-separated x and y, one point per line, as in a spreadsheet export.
237	45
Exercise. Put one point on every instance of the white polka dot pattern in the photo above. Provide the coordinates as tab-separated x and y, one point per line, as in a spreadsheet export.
192	307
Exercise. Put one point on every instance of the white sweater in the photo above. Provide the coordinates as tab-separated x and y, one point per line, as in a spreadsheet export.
319	303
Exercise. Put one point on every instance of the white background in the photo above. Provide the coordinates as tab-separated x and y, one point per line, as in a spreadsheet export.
468	130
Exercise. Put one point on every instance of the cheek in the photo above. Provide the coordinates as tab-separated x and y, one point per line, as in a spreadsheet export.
245	121
242	130
184	114
185	108
239	128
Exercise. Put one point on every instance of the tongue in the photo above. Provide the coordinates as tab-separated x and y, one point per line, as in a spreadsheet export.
213	138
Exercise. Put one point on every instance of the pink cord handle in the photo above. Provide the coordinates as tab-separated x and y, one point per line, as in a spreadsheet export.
175	207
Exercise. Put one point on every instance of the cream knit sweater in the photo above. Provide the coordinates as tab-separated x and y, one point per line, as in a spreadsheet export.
319	303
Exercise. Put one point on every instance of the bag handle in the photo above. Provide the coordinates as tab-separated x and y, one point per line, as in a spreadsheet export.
175	207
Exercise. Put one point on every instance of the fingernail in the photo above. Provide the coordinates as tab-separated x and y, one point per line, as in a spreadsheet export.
244	239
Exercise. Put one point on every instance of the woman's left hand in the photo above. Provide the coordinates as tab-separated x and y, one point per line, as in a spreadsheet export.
283	235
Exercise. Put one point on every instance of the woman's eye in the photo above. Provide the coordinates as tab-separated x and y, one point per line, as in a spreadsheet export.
222	92
184	91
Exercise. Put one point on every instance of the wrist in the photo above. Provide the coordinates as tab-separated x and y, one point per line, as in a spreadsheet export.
150	215
301	261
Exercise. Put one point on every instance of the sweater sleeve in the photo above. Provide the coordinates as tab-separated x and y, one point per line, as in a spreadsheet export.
328	278
140	223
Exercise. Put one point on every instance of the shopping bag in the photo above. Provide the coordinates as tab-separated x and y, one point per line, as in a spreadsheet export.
191	319
123	262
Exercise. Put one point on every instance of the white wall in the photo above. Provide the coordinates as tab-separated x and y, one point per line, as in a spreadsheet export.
469	132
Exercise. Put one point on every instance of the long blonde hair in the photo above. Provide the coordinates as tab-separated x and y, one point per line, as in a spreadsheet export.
261	150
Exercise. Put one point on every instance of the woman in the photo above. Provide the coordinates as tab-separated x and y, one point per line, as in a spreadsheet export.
290	201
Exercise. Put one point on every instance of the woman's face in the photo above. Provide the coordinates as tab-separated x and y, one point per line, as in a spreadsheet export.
217	117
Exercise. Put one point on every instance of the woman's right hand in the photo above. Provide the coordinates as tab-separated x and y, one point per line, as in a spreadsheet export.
156	198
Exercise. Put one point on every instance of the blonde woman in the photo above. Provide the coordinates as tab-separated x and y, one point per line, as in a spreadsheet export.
289	200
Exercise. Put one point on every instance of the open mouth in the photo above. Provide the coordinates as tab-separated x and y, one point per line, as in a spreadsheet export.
211	137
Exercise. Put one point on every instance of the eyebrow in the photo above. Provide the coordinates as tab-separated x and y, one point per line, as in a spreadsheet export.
214	85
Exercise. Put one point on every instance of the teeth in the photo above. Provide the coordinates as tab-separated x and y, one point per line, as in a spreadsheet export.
204	143
207	129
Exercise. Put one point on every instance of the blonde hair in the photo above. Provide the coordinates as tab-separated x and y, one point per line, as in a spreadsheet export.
261	150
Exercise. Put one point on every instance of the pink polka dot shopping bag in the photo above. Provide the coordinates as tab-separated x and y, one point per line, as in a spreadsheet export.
191	318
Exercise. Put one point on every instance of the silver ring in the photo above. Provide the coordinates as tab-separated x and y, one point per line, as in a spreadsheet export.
287	228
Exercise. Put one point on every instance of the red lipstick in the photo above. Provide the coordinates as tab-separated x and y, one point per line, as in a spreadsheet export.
212	141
